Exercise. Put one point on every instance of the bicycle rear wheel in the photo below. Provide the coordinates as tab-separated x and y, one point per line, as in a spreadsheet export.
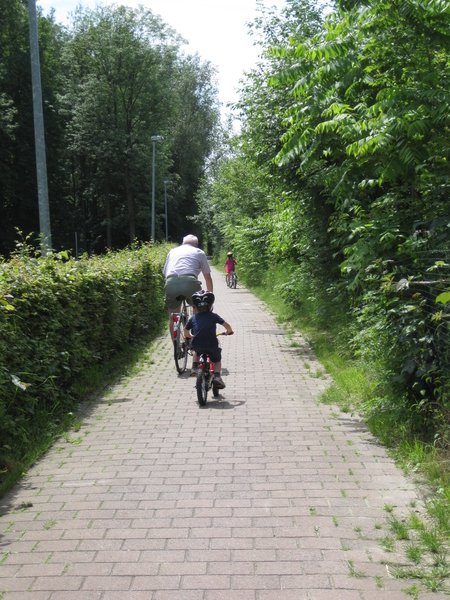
202	390
234	281
180	351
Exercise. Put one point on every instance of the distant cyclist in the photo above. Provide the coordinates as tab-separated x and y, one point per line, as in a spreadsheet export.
202	326
183	266
229	266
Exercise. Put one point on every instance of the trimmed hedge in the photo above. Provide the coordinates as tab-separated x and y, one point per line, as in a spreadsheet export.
58	318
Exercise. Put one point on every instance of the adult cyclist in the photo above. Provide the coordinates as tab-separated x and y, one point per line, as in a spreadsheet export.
183	266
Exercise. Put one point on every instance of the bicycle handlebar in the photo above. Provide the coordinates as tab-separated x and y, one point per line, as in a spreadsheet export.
224	333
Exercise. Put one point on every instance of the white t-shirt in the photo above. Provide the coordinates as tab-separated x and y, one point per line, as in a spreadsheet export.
186	260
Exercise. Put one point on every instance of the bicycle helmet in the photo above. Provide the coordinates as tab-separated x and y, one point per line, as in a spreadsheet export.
203	298
230	254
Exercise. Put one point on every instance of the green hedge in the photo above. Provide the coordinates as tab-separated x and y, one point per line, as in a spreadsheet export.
58	318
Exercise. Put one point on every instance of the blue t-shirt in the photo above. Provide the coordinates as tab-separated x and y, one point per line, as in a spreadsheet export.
202	325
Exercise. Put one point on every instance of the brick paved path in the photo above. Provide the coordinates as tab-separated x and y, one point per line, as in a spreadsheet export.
261	495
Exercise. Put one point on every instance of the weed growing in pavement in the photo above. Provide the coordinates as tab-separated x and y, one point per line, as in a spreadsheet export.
353	571
414	552
426	548
415	522
430	539
379	581
399	529
8	529
388	543
412	591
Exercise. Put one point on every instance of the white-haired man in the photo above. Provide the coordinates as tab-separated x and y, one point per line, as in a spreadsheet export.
183	266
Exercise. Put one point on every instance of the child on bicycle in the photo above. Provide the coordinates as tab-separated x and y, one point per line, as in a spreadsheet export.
229	266
202	326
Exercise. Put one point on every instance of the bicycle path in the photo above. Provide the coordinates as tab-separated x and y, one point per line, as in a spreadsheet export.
263	494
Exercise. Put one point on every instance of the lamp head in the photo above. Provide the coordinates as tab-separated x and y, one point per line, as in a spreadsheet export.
157	138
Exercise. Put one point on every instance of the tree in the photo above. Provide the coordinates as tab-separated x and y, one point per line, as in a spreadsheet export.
121	61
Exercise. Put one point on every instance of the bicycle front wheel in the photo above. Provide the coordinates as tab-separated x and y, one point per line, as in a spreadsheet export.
202	390
234	281
180	350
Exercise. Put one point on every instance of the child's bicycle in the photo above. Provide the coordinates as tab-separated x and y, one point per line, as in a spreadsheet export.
205	376
231	279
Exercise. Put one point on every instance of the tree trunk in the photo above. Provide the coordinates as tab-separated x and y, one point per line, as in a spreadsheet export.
84	208
130	204
108	212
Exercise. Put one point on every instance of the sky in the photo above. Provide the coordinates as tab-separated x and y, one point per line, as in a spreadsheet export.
214	28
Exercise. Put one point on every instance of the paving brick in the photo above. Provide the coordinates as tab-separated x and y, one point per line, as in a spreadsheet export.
57	583
17	584
334	595
111	582
151	583
226	595
41	570
283	595
26	595
79	595
174	595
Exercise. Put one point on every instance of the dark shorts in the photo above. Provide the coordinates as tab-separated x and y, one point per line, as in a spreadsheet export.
185	285
215	354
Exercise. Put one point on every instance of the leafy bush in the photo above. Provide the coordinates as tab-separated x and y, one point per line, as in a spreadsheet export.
58	317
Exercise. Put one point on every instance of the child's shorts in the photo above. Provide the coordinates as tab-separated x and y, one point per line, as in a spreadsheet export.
215	354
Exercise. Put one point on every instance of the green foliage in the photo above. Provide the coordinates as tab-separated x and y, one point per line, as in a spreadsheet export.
58	319
370	110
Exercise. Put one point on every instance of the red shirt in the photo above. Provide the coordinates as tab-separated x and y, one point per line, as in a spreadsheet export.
229	264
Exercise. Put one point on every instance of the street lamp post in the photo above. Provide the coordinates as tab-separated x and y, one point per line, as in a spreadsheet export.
165	202
39	137
155	138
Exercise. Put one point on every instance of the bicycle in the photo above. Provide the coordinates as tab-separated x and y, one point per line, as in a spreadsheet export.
181	344
205	377
232	280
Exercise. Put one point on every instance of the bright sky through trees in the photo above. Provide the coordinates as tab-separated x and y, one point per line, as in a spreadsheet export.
214	28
